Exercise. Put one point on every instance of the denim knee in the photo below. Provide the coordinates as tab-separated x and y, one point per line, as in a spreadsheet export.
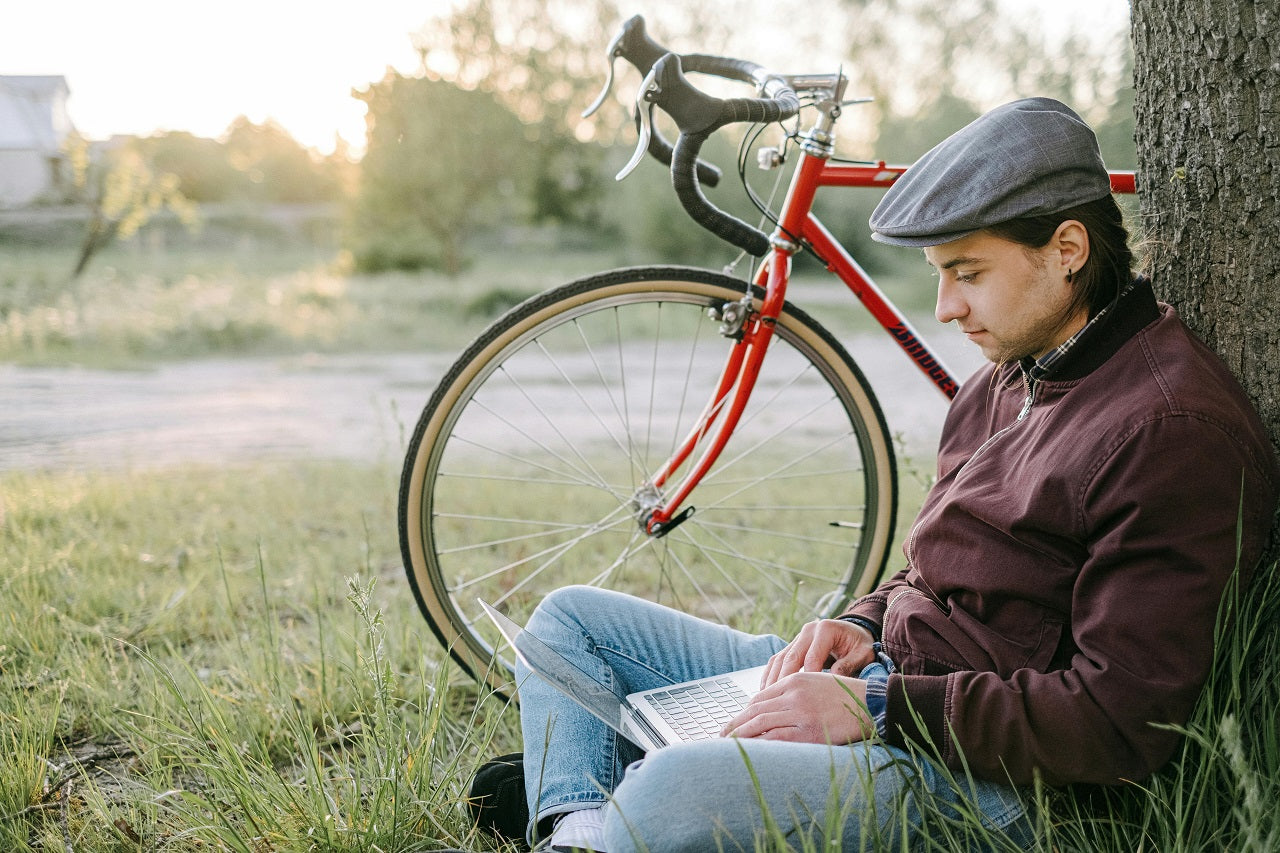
729	794
656	807
574	602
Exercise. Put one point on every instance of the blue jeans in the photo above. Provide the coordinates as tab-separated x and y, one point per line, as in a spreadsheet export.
724	793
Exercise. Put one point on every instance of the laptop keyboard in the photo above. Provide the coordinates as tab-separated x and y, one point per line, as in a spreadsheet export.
699	711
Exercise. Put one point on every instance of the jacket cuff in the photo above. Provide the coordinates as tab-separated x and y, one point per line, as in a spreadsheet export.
862	622
916	711
869	607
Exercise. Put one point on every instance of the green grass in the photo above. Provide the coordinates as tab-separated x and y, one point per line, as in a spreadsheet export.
227	658
230	659
131	308
136	307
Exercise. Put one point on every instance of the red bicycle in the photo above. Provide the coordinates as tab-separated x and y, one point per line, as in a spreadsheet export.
627	430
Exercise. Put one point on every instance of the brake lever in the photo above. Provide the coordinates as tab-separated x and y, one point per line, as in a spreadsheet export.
615	50
649	91
645	114
604	93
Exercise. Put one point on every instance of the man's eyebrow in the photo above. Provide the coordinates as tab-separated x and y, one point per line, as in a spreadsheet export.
955	262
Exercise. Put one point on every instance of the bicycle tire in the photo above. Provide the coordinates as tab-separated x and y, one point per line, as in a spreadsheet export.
521	470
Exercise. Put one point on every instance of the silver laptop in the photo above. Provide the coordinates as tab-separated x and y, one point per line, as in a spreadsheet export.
651	719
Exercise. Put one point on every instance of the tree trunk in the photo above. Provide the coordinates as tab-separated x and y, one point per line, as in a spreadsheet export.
99	234
1207	81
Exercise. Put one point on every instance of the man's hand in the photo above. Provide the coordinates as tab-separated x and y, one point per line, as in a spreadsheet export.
841	647
807	707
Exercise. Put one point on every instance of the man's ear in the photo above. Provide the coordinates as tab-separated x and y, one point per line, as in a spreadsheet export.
1070	243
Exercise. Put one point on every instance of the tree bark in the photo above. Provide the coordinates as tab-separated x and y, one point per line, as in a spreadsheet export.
1207	84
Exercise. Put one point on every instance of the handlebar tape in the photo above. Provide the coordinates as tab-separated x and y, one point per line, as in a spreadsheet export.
661	150
698	115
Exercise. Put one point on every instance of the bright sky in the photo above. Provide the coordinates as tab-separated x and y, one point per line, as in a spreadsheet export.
138	66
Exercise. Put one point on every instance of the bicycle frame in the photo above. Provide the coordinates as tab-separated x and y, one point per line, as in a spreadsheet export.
798	226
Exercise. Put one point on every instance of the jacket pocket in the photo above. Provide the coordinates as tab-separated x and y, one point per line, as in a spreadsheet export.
925	637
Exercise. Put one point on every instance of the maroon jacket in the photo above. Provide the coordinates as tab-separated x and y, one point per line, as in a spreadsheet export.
1064	574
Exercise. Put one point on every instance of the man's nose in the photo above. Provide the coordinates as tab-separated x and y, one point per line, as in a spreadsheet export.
950	305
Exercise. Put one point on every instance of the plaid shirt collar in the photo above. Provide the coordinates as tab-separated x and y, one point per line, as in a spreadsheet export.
1042	367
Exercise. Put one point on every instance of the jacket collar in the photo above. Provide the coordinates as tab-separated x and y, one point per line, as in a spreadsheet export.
1101	337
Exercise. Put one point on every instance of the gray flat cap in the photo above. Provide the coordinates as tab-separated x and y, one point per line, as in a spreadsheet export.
1025	158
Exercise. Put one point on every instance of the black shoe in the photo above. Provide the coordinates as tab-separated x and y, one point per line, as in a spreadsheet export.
497	799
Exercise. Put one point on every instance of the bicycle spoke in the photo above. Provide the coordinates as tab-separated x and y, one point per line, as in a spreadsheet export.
570	383
766	477
589	475
524	461
512	478
728	550
830	472
547	529
775	534
780	431
638	543
691	579
555	551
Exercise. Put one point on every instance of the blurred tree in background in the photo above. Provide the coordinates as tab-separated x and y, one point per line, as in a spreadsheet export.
441	160
544	62
202	168
259	163
275	167
122	192
489	141
933	67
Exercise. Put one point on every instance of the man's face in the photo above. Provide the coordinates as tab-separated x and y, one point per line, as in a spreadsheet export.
1010	300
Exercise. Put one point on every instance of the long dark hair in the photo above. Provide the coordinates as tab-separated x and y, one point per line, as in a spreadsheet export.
1110	264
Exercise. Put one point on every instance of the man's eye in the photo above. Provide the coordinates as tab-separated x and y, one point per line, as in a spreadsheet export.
967	278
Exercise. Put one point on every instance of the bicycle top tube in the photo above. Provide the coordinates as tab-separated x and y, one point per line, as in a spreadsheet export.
882	175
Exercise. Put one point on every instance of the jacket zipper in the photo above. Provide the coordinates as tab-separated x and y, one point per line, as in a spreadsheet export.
1030	385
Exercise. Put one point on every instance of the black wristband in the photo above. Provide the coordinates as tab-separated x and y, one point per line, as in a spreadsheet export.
862	622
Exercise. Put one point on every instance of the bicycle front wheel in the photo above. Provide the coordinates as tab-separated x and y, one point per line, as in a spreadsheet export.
525	469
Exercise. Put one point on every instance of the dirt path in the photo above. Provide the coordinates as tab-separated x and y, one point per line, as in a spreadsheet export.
360	407
212	411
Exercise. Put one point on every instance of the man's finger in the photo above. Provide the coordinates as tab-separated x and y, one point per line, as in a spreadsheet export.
845	666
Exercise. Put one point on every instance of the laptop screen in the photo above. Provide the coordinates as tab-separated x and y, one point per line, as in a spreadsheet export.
559	671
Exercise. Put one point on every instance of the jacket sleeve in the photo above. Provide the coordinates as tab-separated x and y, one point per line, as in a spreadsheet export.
1160	512
873	605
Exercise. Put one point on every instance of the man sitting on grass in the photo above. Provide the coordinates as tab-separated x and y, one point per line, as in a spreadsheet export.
1097	485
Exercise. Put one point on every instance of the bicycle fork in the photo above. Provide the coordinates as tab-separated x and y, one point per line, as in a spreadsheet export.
752	330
